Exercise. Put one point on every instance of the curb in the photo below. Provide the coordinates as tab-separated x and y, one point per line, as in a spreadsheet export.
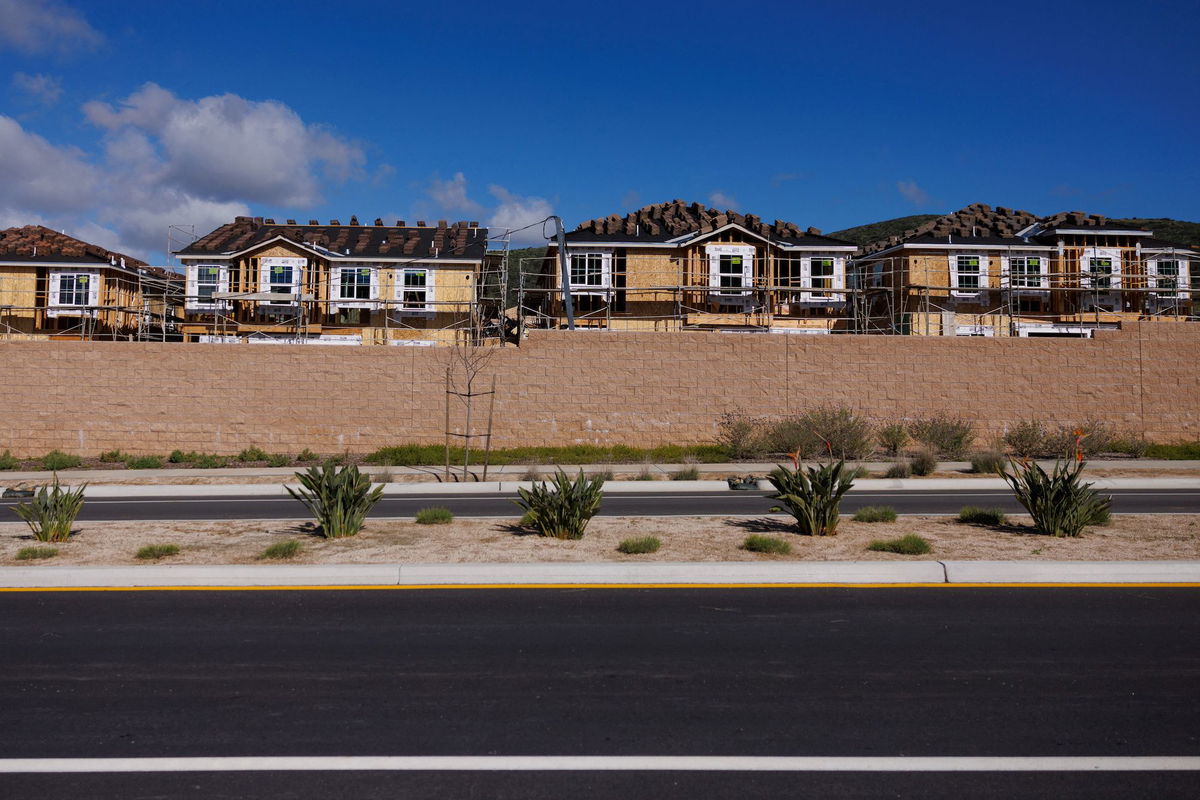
600	575
626	487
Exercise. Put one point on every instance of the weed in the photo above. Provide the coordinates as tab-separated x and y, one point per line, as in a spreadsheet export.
339	498
143	462
892	437
307	455
564	511
605	475
157	551
988	461
900	469
1060	503
772	545
432	455
686	474
639	545
281	550
56	460
253	454
435	516
947	436
7	461
826	431
206	461
981	516
741	436
1182	451
531	474
180	457
36	553
278	460
875	514
909	545
112	457
812	495
923	462
1029	439
646	475
52	511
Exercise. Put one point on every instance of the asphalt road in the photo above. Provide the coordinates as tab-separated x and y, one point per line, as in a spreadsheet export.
774	672
665	503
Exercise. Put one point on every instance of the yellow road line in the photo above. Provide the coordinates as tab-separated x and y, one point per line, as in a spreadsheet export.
460	586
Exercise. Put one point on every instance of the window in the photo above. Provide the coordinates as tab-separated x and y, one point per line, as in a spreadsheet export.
822	273
968	275
355	283
73	290
208	281
1100	273
587	269
281	276
70	288
730	269
1166	275
415	290
1027	272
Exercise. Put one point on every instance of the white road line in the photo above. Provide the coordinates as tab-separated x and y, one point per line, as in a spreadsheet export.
609	763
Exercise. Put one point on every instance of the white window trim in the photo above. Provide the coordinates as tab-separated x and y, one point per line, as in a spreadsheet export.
265	265
1085	264
192	290
725	295
838	280
336	302
430	287
984	269
974	330
56	308
605	272
1182	280
1008	277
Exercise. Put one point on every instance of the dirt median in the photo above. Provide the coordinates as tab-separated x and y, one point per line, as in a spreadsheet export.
1131	537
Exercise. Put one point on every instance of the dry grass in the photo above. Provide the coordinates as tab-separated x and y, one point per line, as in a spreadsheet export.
1130	537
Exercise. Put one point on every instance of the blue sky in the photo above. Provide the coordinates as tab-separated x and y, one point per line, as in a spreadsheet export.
119	118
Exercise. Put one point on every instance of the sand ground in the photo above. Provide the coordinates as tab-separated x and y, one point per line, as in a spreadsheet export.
1129	537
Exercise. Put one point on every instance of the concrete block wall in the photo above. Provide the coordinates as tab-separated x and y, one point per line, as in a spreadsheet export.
561	388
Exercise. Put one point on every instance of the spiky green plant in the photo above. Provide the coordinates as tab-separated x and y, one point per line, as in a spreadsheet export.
813	495
563	508
339	498
1060	503
52	511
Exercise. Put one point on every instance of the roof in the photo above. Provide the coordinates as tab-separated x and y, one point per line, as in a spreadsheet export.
1072	220
975	223
664	222
37	244
461	240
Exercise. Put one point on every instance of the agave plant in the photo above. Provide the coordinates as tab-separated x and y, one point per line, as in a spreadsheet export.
52	511
563	511
338	497
1060	503
813	495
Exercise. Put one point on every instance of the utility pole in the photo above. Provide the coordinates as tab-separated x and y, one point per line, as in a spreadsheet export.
565	270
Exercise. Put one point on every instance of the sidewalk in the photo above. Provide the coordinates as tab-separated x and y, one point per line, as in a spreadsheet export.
599	575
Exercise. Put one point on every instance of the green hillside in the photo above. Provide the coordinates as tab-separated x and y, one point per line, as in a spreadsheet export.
1172	230
865	234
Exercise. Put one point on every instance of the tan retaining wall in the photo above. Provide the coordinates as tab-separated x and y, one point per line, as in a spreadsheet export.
563	388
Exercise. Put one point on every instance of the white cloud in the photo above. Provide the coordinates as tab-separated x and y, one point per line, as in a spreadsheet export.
451	195
631	199
44	89
780	178
913	193
169	161
41	177
226	147
39	26
723	201
513	212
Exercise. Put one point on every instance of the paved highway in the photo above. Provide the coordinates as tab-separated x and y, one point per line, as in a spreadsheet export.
866	673
665	503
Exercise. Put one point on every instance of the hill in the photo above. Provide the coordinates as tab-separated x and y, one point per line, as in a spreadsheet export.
1172	230
865	234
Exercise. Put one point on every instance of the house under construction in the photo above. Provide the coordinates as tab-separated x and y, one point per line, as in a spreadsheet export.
54	286
976	272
